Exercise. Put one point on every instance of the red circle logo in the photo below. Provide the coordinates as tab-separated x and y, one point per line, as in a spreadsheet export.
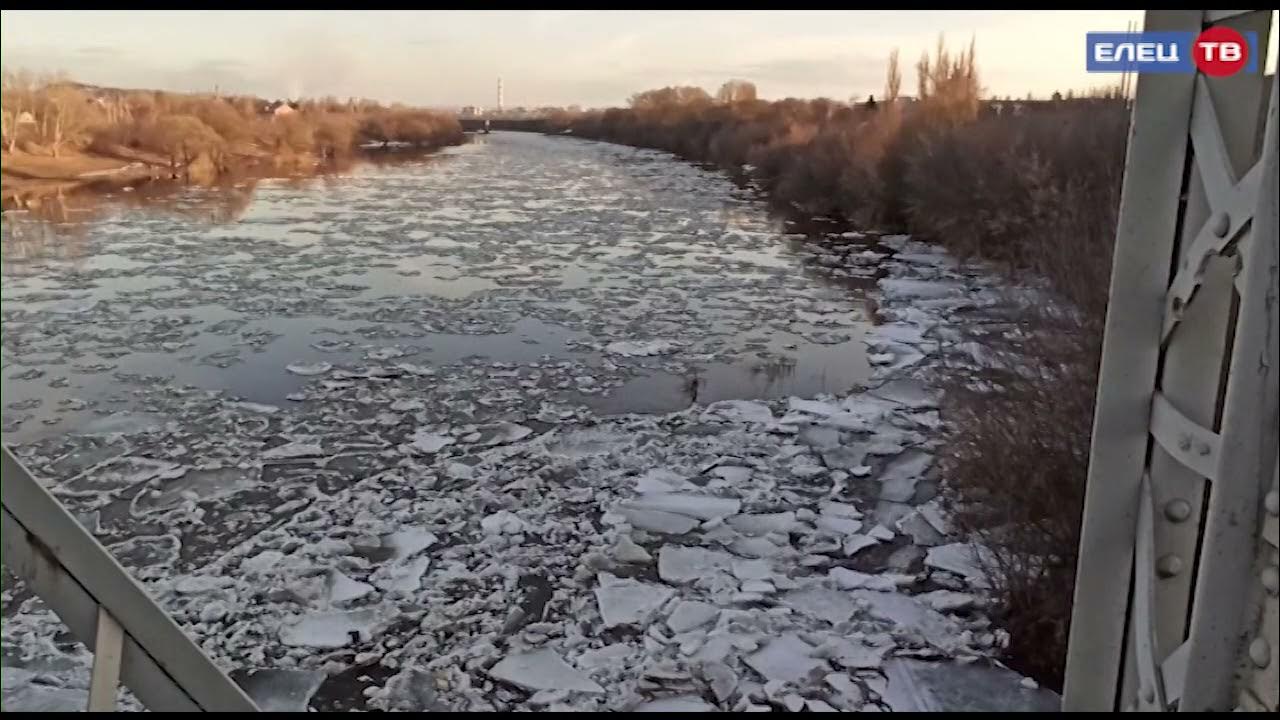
1220	51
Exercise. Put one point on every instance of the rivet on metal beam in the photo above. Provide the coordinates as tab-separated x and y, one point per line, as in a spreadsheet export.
1177	510
1271	580
1148	694
1169	566
1260	652
1272	502
1221	224
1184	443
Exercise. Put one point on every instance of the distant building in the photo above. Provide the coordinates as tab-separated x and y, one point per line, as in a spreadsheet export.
471	111
280	108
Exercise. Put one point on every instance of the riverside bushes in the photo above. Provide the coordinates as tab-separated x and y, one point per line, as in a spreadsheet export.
54	116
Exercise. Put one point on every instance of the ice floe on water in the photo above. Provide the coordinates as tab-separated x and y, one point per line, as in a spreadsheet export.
463	531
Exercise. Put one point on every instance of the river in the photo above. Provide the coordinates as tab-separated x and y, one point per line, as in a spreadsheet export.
531	423
523	250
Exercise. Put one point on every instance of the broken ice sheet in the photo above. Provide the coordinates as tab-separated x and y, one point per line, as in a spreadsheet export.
678	564
429	442
833	606
331	629
279	690
309	369
963	559
677	704
542	670
703	507
786	658
641	348
344	590
630	602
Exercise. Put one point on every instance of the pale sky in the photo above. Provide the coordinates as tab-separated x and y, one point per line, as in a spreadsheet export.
590	58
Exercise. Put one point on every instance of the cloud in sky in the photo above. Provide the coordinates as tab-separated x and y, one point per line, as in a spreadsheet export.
544	57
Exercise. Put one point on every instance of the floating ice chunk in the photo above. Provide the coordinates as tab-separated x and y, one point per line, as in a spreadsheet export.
343	590
627	551
125	423
916	686
963	559
910	614
296	449
898	481
723	680
703	507
933	514
947	600
850	579
832	606
755	547
503	432
655	481
919	529
909	393
852	654
678	564
741	410
659	521
832	508
607	656
403	579
279	689
905	288
853	544
848	693
641	348
542	670
23	692
819	437
690	614
786	658
881	532
746	570
331	629
814	407
426	441
253	407
886	358
262	563
309	369
503	522
408	542
838	525
420	370
733	475
676	704
201	584
630	602
845	457
764	523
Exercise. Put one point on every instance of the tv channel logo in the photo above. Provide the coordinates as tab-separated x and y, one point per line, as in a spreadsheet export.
1218	52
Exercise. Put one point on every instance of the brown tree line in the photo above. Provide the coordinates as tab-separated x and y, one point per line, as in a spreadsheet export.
50	115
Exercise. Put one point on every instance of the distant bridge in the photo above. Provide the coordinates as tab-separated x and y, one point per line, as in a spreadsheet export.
475	124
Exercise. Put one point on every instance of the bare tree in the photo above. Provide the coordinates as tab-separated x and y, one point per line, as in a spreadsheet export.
67	115
17	96
893	79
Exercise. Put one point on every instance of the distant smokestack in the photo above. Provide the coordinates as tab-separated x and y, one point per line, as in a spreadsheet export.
499	94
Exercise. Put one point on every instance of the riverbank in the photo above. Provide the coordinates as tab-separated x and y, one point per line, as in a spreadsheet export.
61	136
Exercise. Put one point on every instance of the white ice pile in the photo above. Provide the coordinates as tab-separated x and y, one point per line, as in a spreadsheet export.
742	555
